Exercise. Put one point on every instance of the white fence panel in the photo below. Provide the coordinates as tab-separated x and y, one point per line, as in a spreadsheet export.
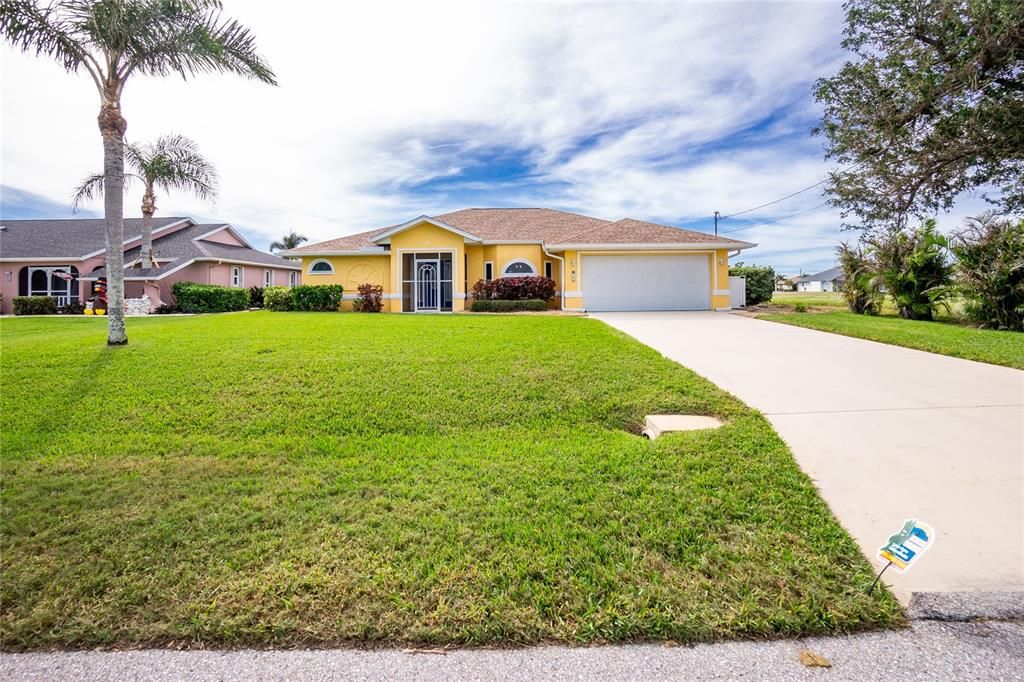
737	292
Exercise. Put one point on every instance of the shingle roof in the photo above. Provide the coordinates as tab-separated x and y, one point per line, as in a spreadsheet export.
64	238
823	276
630	231
182	245
538	224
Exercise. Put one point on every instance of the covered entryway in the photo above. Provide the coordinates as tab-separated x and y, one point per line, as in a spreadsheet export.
427	282
646	282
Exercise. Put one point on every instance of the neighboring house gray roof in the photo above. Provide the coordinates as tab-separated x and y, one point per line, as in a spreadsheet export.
185	246
56	239
830	275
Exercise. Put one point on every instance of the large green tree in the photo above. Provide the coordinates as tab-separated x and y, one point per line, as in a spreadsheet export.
172	162
111	41
930	106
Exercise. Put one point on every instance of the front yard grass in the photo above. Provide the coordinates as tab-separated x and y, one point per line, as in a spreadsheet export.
810	299
262	479
943	337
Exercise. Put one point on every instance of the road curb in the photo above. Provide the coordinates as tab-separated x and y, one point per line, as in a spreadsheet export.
966	606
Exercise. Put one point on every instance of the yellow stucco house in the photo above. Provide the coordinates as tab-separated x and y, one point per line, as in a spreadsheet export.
430	263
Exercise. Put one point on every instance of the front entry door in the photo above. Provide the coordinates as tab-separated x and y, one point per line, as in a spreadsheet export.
428	285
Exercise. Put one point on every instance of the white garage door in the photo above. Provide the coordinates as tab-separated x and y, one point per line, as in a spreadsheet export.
646	282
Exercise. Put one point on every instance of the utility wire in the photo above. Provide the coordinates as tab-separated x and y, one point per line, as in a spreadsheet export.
788	196
775	220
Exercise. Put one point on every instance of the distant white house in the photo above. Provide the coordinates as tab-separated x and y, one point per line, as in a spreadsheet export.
826	280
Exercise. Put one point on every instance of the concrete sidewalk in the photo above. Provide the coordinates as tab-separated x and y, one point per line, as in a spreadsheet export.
886	433
929	650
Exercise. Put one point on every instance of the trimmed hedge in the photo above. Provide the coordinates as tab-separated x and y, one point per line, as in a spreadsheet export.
277	298
34	305
209	298
506	306
316	297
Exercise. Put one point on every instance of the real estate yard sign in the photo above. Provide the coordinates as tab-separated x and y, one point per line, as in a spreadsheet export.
907	545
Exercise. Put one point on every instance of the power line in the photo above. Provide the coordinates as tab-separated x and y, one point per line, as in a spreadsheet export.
788	196
775	220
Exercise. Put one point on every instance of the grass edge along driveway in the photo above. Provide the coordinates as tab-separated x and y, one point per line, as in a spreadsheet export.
1004	348
262	479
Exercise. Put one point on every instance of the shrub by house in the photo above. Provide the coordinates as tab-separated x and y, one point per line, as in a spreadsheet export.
317	297
515	289
760	281
308	297
209	298
34	305
371	299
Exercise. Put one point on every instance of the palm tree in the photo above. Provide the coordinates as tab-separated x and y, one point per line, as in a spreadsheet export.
289	241
173	162
111	40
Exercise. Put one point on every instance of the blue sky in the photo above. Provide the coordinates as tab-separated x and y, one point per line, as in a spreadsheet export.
661	112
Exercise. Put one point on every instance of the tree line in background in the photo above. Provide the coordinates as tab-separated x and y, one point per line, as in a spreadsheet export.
930	107
922	270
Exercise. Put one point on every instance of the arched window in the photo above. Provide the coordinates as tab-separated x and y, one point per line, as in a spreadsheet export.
321	267
519	268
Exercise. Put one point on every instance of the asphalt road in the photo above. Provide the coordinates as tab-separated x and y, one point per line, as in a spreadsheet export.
929	650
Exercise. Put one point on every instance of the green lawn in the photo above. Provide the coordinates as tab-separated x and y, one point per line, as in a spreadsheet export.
287	479
944	337
811	299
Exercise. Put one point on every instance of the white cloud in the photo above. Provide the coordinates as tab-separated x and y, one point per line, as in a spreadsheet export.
619	110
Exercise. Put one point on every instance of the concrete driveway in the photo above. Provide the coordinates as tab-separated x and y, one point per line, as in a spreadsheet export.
886	433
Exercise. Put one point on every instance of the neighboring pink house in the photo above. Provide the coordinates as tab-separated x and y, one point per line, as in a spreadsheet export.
63	259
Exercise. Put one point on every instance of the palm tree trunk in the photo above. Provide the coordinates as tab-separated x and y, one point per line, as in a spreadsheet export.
112	126
148	209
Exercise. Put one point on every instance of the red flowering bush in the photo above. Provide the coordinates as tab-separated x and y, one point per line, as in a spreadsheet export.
371	299
514	289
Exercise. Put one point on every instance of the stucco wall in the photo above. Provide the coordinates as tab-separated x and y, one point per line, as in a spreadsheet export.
223	237
427	237
9	278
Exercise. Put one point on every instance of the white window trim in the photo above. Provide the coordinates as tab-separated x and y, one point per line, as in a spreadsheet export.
317	262
549	266
504	270
240	271
268	278
486	263
293	278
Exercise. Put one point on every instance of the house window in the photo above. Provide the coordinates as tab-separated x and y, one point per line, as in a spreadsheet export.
488	271
321	267
268	278
548	269
293	278
519	268
237	278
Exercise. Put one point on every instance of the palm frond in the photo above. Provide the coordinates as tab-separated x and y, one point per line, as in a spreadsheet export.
49	30
174	162
90	188
192	37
